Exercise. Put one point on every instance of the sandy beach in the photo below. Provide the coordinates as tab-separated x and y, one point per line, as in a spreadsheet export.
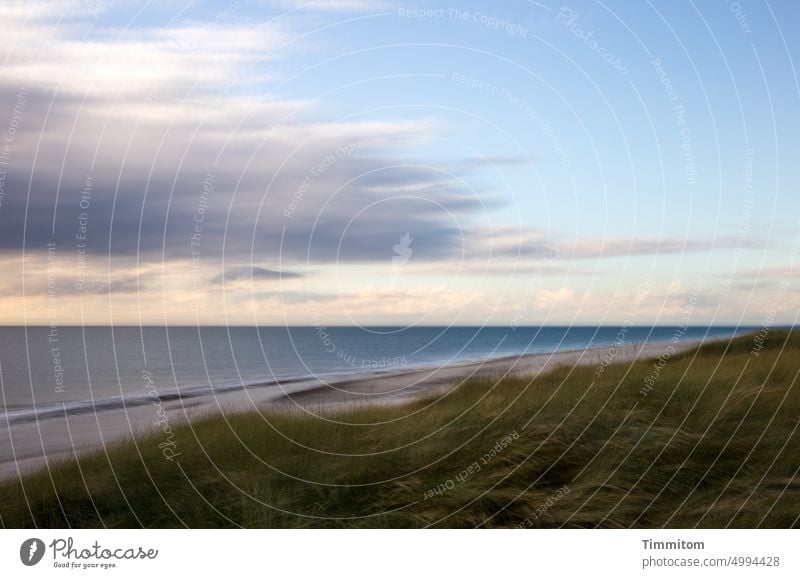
29	445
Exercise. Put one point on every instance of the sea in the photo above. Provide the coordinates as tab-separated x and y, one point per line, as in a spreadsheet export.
49	370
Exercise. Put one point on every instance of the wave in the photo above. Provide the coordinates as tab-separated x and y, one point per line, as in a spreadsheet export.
50	410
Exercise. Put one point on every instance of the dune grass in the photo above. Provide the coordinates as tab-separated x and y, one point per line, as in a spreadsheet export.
705	438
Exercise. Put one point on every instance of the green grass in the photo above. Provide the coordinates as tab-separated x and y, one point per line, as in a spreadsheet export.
714	444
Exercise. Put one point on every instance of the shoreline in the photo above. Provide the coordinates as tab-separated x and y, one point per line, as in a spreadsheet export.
406	386
29	445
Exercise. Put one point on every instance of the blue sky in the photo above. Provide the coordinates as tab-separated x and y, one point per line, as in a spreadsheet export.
559	163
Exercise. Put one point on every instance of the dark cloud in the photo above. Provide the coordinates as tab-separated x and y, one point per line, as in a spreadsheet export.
295	297
161	189
163	173
255	273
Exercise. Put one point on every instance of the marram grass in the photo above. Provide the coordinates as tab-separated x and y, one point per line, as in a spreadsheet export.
705	438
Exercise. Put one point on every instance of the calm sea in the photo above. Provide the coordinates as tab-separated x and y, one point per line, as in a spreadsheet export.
44	370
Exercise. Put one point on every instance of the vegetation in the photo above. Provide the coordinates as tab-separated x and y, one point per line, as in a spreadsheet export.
705	438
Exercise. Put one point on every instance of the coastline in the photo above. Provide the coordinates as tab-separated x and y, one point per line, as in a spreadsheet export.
655	443
29	445
406	386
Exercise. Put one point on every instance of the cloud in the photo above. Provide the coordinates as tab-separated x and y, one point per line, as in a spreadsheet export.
158	149
771	272
62	276
148	116
511	242
599	248
116	63
561	297
409	304
254	273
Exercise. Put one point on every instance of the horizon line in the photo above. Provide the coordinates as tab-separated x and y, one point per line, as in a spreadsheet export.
496	326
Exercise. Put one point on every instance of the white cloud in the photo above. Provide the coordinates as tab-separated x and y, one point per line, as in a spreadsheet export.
112	63
598	248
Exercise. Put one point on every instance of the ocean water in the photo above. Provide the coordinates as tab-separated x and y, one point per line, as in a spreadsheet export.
44	371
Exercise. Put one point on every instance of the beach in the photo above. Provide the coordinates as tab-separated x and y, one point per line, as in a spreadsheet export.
29	445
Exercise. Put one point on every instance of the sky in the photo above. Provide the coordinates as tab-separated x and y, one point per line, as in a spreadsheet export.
372	162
